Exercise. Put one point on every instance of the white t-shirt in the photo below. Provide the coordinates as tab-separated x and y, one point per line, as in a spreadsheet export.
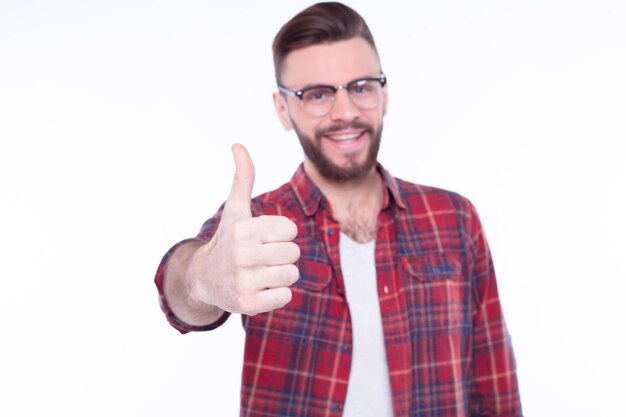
369	390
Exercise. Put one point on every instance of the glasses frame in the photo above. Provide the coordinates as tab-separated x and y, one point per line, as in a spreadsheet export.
382	79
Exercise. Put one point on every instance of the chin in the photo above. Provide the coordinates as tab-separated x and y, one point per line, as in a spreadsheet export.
350	170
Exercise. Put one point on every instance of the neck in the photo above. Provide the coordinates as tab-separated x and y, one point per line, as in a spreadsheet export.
355	204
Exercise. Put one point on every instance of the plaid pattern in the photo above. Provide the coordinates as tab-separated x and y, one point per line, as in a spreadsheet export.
448	350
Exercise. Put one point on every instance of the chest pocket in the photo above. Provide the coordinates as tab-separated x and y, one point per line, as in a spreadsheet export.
433	267
437	295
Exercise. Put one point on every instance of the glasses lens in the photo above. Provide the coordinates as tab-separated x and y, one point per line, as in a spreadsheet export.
366	94
318	101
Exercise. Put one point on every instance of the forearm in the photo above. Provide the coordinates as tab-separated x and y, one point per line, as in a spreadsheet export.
177	287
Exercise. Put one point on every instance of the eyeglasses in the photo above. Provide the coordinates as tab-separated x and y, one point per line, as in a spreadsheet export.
318	100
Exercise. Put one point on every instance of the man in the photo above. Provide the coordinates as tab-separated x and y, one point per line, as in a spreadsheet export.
360	294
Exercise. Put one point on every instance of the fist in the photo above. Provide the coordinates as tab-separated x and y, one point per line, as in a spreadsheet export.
248	266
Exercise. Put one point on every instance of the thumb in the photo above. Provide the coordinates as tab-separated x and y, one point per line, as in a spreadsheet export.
238	203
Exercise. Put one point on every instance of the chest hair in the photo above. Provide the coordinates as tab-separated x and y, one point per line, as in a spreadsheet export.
359	225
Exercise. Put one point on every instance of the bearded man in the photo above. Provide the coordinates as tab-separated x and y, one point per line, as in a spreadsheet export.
360	294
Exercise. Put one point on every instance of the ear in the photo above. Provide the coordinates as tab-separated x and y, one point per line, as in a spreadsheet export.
385	97
280	105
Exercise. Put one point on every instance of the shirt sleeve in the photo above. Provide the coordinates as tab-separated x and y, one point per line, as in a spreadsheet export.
494	390
205	234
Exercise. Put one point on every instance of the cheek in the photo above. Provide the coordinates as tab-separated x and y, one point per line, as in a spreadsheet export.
306	127
375	117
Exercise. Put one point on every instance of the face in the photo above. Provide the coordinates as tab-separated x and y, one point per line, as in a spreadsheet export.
343	144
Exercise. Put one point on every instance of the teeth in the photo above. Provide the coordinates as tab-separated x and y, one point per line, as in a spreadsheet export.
345	136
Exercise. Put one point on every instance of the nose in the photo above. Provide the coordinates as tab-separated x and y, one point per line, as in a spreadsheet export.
343	107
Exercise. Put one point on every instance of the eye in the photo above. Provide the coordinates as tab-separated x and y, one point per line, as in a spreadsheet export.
362	88
317	95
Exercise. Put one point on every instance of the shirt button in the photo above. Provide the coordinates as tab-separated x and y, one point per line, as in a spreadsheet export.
330	232
335	408
345	348
386	289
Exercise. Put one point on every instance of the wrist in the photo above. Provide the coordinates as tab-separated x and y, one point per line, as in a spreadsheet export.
196	290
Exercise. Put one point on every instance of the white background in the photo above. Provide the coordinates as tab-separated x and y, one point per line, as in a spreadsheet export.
116	120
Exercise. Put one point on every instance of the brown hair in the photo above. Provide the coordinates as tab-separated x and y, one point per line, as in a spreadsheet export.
318	24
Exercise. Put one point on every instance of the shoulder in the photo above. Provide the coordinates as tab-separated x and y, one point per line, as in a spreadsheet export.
433	199
442	218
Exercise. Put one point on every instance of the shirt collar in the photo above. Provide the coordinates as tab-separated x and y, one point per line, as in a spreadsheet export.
310	197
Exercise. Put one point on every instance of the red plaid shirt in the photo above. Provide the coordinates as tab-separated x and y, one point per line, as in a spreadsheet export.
448	350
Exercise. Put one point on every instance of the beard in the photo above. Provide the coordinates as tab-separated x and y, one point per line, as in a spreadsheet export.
354	170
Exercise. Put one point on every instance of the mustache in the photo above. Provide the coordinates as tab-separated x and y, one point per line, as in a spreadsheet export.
358	125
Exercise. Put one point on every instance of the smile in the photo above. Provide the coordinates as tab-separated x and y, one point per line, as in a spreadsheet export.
344	136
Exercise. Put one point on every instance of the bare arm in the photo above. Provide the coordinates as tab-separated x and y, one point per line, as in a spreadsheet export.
178	291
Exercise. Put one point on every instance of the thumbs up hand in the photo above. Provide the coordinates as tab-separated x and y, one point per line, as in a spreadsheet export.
248	266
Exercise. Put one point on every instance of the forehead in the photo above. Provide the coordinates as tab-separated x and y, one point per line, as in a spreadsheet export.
331	63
